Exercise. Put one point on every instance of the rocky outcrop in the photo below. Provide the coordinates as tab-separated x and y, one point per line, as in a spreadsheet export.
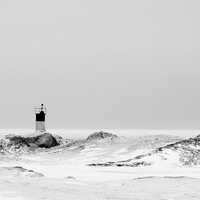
100	135
45	140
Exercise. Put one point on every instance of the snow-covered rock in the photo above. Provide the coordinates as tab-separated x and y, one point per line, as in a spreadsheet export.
101	135
20	144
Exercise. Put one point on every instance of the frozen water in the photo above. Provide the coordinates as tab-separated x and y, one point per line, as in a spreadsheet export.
63	173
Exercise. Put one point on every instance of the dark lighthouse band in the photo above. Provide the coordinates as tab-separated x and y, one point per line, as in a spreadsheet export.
40	115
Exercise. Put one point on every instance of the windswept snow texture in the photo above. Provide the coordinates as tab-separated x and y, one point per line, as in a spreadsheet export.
184	152
18	171
102	166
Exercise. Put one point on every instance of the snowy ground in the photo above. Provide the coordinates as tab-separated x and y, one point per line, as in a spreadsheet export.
67	176
125	187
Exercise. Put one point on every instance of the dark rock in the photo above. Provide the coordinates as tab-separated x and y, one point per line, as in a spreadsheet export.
17	141
45	140
120	164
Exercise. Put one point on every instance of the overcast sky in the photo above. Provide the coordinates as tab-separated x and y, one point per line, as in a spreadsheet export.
100	63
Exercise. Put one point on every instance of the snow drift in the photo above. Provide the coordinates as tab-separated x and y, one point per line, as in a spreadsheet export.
184	153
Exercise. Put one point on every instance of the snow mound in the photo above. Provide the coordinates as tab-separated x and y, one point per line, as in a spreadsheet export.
101	135
18	171
182	153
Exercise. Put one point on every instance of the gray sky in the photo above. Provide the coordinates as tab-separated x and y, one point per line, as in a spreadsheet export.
100	64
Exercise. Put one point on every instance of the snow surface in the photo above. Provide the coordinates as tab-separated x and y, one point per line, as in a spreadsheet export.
66	174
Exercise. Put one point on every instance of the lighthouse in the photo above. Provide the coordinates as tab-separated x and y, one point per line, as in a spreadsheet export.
40	114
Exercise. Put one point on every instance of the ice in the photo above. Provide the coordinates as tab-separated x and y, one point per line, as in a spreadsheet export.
66	174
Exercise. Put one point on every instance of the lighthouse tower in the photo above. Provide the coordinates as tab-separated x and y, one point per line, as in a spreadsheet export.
40	114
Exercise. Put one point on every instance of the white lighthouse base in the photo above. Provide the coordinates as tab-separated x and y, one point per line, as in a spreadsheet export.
40	126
